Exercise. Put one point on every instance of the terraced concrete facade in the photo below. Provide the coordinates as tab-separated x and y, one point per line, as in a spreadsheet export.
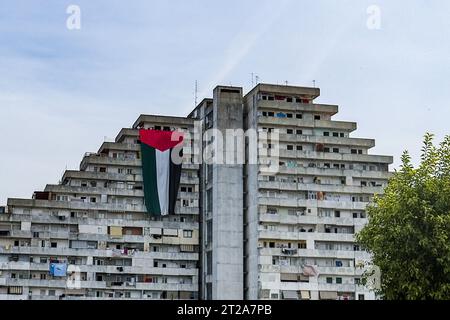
238	232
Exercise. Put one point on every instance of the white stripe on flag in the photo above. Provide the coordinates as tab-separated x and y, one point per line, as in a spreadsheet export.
163	173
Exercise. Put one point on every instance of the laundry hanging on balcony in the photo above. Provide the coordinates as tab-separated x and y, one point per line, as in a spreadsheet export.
161	175
58	269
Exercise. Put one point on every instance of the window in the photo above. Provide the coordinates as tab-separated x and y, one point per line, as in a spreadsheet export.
337	214
326	134
317	117
289	131
299	131
341	135
335	134
288	99
353	151
299	148
360	297
102	169
335	150
187	233
120	171
93	199
329	280
209	231
264	113
290	147
326	149
302	245
288	115
359	151
209	263
357	280
271	114
339	280
355	215
129	171
299	116
54	244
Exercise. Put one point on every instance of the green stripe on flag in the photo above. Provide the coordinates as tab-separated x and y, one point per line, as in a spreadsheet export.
149	176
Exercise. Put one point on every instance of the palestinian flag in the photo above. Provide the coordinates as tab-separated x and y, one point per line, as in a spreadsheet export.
161	175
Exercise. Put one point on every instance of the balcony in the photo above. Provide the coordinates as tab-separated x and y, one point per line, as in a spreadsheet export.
282	235
94	191
104	160
330	156
98	253
345	287
294	106
353	142
325	124
77	205
312	253
106	146
331	172
336	188
344	271
306	219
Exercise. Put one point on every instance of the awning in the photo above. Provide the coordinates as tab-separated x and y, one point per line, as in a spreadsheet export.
115	231
15	290
303	278
290	295
288	277
328	295
305	295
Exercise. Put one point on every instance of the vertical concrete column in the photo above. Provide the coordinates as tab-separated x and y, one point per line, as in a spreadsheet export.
227	278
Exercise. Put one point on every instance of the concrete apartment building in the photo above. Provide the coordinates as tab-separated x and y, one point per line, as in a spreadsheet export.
238	232
94	229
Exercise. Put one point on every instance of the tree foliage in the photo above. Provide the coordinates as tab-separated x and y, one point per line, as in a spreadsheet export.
408	232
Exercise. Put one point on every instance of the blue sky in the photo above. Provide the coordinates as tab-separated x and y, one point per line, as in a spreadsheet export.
62	92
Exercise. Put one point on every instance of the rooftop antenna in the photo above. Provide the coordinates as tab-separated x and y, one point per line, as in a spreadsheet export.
256	79
314	83
196	93
253	83
286	82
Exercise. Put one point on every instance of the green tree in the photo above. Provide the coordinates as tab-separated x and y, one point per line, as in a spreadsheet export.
408	229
